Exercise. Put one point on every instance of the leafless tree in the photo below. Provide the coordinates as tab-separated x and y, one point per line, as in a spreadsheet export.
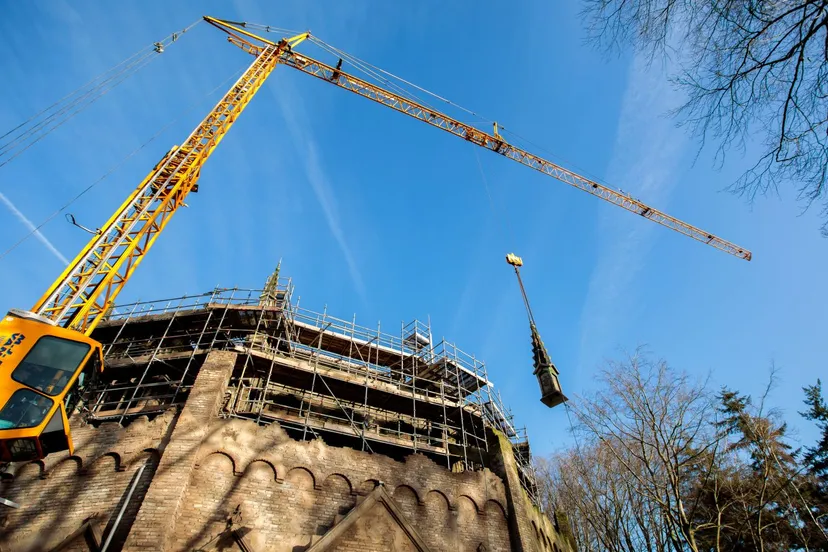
604	503
641	440
654	422
748	68
661	464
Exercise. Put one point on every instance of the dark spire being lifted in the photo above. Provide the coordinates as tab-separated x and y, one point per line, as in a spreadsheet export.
545	371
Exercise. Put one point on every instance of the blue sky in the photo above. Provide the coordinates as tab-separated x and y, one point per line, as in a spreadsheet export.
382	216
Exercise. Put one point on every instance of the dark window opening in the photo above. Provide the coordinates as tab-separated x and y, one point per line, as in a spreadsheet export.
80	389
50	365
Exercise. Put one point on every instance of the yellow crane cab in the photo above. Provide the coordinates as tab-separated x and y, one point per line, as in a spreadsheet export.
44	370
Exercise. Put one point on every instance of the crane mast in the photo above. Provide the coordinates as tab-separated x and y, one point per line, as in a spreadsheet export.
47	355
88	286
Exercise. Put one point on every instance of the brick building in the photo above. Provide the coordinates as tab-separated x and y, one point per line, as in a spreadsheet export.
237	420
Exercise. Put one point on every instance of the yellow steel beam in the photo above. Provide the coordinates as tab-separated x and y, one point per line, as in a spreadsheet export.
434	118
232	28
493	142
82	294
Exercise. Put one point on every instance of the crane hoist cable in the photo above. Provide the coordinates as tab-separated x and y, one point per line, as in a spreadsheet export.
20	138
505	226
115	67
194	105
36	133
92	94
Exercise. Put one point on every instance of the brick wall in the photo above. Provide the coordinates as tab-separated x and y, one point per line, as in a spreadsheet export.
283	492
530	529
210	482
153	528
56	496
374	531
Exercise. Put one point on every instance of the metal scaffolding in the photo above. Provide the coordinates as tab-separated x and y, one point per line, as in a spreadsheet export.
317	375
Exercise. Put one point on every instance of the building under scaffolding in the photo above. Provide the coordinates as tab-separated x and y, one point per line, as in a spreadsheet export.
318	376
238	420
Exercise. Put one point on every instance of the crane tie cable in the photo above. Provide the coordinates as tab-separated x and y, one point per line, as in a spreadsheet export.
341	53
373	70
115	167
23	136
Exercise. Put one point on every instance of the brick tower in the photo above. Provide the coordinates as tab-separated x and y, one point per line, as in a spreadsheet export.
238	420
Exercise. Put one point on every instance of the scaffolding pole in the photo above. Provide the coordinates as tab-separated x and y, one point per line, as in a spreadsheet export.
315	374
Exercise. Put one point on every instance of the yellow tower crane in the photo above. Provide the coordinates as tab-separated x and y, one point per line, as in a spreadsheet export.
47	357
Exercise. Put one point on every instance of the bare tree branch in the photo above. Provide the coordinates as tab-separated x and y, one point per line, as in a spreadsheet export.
751	70
664	465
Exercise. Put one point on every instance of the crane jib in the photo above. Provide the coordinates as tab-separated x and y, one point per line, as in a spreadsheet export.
434	118
89	285
62	321
335	75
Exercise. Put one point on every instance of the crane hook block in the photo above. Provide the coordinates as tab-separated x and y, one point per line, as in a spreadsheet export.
514	260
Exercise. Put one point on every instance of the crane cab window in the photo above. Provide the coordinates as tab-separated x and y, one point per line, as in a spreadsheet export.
50	364
24	409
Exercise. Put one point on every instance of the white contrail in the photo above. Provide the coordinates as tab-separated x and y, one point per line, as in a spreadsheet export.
38	234
298	126
648	151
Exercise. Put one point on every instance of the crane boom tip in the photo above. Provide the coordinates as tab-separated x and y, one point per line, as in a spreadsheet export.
514	260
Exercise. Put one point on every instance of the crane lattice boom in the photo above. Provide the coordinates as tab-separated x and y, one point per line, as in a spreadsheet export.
476	136
57	332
